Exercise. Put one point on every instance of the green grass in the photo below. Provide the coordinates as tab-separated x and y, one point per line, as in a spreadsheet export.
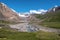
11	35
4	22
8	22
47	36
14	35
51	19
51	24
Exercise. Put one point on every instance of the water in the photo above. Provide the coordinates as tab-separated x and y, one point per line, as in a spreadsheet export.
25	27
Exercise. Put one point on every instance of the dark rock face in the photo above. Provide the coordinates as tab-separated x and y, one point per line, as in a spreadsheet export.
8	14
54	9
57	8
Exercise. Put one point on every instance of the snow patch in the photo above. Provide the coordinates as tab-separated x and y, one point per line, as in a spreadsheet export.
3	4
22	15
54	9
13	10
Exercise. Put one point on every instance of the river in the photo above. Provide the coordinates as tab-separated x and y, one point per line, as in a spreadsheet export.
26	27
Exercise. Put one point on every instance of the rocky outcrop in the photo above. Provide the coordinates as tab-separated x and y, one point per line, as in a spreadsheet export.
8	14
54	9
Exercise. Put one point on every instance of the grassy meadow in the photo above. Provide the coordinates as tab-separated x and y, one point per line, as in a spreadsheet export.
51	24
6	34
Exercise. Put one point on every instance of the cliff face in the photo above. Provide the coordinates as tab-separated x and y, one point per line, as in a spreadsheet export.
8	14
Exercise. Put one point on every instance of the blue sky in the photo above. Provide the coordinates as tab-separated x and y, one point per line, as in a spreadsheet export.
27	5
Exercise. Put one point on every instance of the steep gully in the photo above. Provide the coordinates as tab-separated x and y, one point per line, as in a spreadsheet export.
26	27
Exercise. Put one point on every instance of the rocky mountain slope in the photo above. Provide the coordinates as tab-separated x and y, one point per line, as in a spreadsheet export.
50	19
8	14
52	15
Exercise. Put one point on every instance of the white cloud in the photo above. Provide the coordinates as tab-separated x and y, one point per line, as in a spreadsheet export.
38	11
56	5
25	14
34	11
42	10
22	15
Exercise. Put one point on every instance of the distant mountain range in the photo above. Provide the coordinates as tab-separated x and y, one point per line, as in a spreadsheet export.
54	9
52	15
8	14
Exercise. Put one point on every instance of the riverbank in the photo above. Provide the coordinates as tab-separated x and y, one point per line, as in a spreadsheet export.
15	35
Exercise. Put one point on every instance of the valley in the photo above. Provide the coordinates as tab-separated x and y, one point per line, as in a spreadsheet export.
27	27
31	26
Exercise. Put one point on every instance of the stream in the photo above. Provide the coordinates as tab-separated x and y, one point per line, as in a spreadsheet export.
26	27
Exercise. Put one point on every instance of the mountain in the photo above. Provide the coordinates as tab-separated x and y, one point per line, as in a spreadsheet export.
8	14
54	9
52	15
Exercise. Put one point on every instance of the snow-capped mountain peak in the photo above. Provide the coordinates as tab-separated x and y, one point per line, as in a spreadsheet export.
3	4
54	9
7	14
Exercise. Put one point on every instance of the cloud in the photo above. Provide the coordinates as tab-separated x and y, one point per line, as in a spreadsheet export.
34	11
23	15
38	11
42	10
56	5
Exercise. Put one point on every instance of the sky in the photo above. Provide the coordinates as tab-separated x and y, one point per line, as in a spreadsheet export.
30	5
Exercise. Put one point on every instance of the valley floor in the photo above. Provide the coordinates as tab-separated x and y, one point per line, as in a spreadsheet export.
51	24
6	34
27	31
